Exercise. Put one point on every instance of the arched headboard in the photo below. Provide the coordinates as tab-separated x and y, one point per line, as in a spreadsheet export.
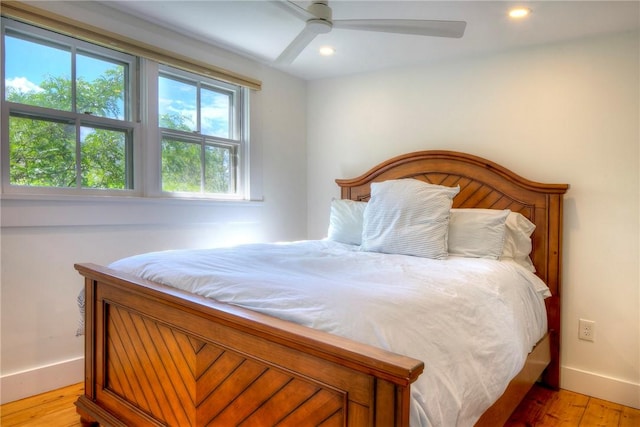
485	184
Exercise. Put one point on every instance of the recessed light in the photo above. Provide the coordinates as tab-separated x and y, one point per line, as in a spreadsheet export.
327	51
519	12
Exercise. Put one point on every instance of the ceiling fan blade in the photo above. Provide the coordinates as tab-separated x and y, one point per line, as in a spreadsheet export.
453	29
296	46
294	9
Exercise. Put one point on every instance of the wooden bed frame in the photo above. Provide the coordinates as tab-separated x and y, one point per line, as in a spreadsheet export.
155	355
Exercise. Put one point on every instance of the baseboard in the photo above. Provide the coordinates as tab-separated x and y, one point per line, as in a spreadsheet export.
606	388
39	380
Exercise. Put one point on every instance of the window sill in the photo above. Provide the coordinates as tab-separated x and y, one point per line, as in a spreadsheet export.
75	211
92	198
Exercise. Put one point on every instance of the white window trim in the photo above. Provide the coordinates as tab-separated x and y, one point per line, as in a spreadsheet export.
130	123
146	143
152	169
240	124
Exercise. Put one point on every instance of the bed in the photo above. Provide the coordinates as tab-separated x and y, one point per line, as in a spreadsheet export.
159	355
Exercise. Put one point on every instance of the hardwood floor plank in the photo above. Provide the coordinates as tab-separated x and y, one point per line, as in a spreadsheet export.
600	413
52	409
565	408
532	409
48	398
630	417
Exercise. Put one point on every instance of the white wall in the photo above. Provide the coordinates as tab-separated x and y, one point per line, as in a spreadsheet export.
565	113
42	239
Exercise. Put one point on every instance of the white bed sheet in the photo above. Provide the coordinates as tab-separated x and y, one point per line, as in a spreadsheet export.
472	321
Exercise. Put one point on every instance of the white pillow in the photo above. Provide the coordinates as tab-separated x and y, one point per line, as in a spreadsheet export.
477	233
345	221
517	243
408	217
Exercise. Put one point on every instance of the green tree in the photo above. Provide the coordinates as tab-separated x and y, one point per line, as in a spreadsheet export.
43	151
104	160
182	161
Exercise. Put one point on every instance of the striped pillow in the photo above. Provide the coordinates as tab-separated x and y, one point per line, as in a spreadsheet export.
408	217
477	233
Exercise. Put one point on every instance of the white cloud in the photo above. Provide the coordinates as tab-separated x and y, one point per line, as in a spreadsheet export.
22	84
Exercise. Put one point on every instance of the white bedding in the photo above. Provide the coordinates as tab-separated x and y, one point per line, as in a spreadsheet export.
472	321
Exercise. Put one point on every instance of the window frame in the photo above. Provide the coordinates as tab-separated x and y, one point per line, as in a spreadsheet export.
144	148
238	132
128	125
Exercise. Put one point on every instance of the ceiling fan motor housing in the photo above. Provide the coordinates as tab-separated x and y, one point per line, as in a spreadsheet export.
321	10
319	26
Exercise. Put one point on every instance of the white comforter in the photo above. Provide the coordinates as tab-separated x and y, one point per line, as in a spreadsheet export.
472	321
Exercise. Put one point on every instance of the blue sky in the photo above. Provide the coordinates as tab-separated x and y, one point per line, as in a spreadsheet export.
181	98
28	64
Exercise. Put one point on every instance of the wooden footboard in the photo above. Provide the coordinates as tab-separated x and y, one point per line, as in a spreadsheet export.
159	356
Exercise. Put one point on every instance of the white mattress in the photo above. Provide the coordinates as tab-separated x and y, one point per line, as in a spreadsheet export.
472	321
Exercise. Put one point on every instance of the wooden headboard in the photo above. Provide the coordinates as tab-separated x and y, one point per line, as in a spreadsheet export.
485	184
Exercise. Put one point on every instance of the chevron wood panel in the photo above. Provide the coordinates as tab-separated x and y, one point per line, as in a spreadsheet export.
143	357
472	193
164	372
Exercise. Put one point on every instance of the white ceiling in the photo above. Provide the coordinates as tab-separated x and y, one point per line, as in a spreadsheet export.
261	29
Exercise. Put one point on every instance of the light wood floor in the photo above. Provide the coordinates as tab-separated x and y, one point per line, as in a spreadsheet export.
541	407
52	409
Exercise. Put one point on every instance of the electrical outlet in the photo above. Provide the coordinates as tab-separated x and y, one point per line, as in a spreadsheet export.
586	329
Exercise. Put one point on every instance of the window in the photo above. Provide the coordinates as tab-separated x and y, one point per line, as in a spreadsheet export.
71	122
67	114
201	135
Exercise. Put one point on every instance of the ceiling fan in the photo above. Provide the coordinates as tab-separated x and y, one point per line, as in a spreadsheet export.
319	20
